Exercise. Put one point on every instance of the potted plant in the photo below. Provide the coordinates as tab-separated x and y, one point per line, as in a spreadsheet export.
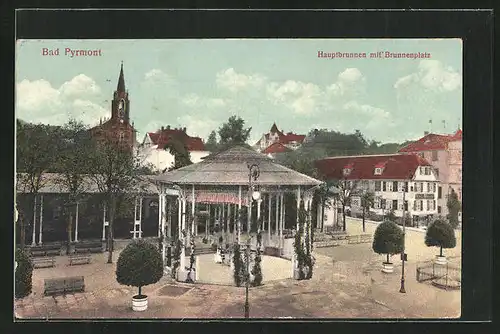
388	239
440	234
24	274
139	264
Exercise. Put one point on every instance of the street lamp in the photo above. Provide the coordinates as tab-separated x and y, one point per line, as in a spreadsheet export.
253	175
403	255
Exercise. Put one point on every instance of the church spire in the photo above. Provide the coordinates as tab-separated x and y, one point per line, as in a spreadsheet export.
121	81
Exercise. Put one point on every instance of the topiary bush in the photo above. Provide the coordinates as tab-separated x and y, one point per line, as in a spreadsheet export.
238	265
388	239
440	234
24	274
139	264
257	270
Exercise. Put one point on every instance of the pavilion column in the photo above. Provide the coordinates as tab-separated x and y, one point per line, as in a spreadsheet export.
228	220
318	213
277	215
41	220
76	223
104	223
250	206
135	217
33	238
169	211
183	248
223	219
298	207
193	218
269	203
259	202
207	220
140	217
159	214
282	220
238	223
163	216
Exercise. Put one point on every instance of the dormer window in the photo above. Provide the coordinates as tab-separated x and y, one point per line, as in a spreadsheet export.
379	168
347	171
378	171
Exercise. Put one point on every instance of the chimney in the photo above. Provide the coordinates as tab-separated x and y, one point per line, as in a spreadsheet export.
426	133
183	129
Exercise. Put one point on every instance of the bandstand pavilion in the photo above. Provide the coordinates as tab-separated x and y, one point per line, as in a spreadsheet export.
224	180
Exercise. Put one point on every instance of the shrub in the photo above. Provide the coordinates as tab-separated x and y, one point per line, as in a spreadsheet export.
257	270
24	274
139	264
238	265
388	239
440	234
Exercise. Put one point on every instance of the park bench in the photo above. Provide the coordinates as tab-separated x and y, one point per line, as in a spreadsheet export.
63	285
45	250
88	247
79	259
43	262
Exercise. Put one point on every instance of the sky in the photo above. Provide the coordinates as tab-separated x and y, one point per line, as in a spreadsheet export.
200	83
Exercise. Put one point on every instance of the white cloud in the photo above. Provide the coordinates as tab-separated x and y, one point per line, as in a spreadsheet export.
301	97
351	80
432	75
196	101
375	119
198	126
234	82
38	101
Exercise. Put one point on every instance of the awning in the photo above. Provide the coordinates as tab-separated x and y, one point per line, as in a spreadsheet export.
218	198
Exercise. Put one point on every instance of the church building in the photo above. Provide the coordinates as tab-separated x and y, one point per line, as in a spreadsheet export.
118	129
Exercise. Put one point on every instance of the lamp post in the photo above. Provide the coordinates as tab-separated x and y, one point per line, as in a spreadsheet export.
253	175
402	289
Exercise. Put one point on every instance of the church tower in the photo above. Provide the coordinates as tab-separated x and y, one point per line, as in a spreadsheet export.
120	106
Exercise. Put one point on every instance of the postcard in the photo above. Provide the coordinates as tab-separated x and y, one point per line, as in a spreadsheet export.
238	178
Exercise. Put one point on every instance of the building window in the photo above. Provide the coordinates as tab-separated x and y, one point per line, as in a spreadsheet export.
437	172
378	171
421	154
440	192
395	186
121	136
382	203
429	187
406	206
434	155
421	205
378	186
395	204
428	205
421	170
414	205
411	188
439	209
384	186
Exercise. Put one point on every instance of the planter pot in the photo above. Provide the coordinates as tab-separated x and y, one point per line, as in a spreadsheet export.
181	275
193	276
305	270
441	260
140	303
217	258
387	267
296	274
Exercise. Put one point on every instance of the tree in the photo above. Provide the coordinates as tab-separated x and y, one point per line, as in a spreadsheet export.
390	216
346	189
233	132
35	151
211	144
388	239
440	234
115	171
138	265
75	150
181	154
367	201
454	208
24	274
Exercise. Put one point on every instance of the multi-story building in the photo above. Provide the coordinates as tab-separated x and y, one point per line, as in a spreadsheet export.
386	176
289	140
118	129
153	152
444	152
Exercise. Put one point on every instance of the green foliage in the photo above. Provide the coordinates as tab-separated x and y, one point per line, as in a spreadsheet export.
233	131
238	273
139	264
257	270
388	239
179	150
24	274
301	255
390	216
176	257
454	208
440	234
211	144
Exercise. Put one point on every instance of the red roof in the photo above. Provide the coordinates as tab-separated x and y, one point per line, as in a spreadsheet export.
291	137
397	166
276	148
162	138
432	142
274	129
